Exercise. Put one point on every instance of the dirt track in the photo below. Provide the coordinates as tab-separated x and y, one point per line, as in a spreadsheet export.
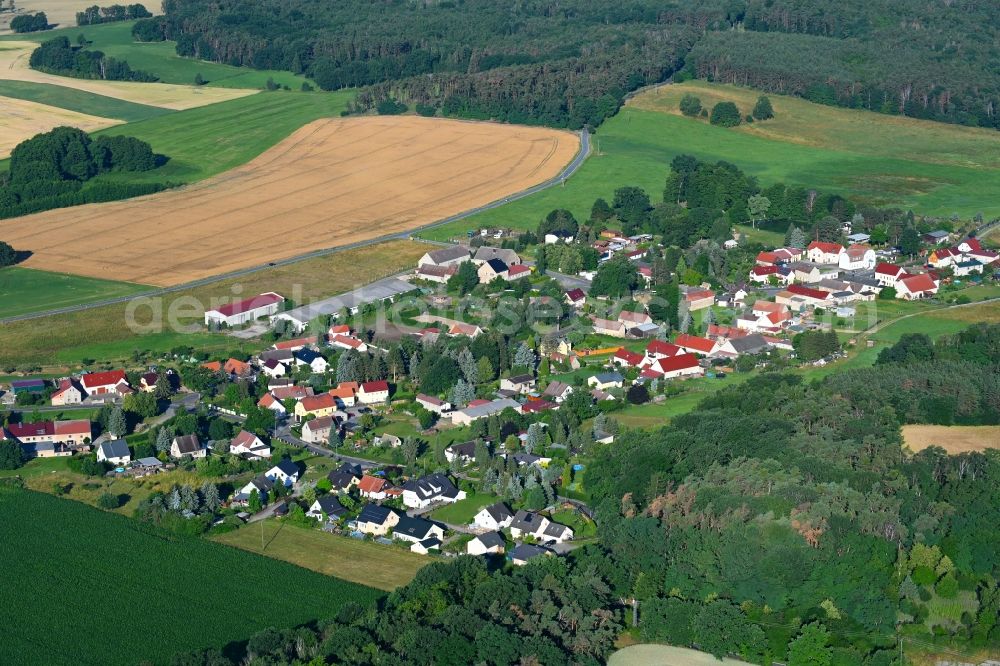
331	183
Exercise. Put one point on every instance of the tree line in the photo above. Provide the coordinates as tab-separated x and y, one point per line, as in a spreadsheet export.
96	15
58	56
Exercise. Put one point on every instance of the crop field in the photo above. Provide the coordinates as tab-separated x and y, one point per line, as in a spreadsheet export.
79	101
24	290
153	594
953	439
22	120
332	183
105	332
933	168
58	12
378	565
14	57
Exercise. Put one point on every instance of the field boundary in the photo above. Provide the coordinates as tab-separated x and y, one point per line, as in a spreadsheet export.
582	153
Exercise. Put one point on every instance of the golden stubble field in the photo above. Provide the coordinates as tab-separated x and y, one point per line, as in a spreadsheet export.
61	13
21	119
332	183
14	57
953	439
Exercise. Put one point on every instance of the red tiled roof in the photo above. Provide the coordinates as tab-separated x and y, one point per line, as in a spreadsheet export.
630	357
293	344
347	340
662	348
375	387
576	295
517	269
768	257
884	268
698	294
703	345
809	292
918	283
768	306
40	429
247	304
236	367
109	378
829	248
312	403
371	484
244	438
285	392
537	406
74	427
344	390
478	402
680	362
214	366
764	270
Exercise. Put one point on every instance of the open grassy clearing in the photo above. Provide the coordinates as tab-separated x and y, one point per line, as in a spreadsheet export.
332	183
160	593
936	323
372	564
953	439
79	101
635	148
161	59
22	119
103	333
462	512
14	56
25	290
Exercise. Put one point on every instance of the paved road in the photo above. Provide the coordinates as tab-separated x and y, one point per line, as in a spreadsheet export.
570	169
285	433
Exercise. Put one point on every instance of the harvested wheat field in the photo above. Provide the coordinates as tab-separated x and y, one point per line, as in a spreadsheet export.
332	183
22	120
953	439
60	13
14	58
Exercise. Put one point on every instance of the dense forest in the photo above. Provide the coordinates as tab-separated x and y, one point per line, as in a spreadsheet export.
54	169
571	63
778	521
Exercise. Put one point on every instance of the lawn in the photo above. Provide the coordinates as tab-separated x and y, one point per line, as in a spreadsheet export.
80	101
26	290
583	527
376	565
936	323
652	415
162	594
160	58
109	334
462	512
933	168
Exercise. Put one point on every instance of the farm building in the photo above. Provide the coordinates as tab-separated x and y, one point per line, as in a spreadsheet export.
446	256
387	290
245	311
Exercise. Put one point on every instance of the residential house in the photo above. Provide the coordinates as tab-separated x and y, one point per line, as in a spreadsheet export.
888	274
373	487
427	490
614	329
376	520
317	430
633	319
936	237
343	341
110	383
606	380
492	270
576	298
526	523
323	404
535	405
820	252
486	253
696	345
432	403
68	393
345	394
426	546
493	517
488	543
808	272
261	484
373	393
857	258
416	530
683	365
523	553
311	358
114	452
627	359
750	344
285	472
943	257
557	391
432	273
294	344
388	440
801	294
187	446
476	411
344	478
518	384
657	349
250	446
237	368
518	271
326	505
268	401
763	274
468	330
699	299
147	382
464	452
969	267
913	287
446	256
274	368
244	311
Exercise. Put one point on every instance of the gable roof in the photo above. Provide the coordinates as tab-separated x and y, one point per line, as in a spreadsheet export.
287	466
236	367
417	528
884	268
556	389
675	363
375	387
828	248
115	448
243	439
485	253
373	513
109	378
498	512
371	484
188	443
702	345
526	551
918	283
312	403
801	290
449	254
247	304
331	506
749	344
497	265
491	540
576	295
662	347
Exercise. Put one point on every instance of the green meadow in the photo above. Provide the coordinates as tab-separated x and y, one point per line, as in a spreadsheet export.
24	290
160	58
80	101
931	168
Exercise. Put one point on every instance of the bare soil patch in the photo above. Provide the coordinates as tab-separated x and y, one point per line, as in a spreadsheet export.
22	120
953	439
14	58
332	183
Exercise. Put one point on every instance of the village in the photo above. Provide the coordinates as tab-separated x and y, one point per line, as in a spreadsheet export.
440	427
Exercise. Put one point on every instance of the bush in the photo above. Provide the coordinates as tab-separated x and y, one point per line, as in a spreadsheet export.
725	114
426	110
391	107
762	109
108	501
637	394
11	454
690	105
148	30
923	575
947	587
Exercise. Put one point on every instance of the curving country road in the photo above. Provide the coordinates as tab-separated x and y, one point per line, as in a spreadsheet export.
568	171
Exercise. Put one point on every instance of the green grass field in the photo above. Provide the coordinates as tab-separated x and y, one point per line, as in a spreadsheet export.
25	290
160	58
80	101
376	565
123	593
932	168
462	512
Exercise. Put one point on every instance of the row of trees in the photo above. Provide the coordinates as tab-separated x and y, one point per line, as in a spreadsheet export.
57	56
29	22
111	14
